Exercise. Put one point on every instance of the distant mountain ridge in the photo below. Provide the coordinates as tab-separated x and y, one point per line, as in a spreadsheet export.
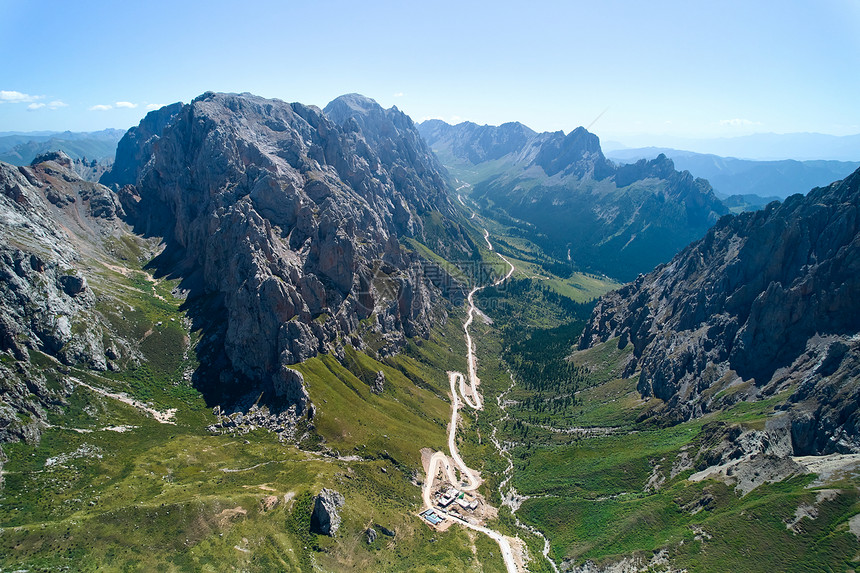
762	146
21	149
479	143
620	221
730	176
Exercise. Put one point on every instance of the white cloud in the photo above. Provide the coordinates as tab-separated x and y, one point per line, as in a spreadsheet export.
738	122
56	104
152	106
127	104
101	107
17	97
399	94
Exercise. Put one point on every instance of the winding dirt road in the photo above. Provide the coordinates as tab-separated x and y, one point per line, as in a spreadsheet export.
469	395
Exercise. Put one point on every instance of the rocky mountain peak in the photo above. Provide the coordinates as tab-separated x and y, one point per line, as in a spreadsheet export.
577	153
284	223
355	102
661	167
395	139
58	157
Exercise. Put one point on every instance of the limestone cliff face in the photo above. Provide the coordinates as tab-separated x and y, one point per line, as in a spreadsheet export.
478	143
412	167
765	302
51	221
288	223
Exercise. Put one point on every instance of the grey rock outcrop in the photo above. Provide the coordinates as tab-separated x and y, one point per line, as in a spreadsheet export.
288	223
764	302
325	518
59	157
378	386
371	535
658	561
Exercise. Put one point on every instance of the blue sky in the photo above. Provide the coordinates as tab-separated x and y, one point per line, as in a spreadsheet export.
692	69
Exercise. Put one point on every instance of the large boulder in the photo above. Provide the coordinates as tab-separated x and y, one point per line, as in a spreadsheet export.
325	518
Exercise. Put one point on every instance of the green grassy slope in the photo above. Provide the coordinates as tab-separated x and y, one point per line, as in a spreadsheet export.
110	488
605	480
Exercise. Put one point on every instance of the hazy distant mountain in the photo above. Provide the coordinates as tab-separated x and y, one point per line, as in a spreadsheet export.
478	143
581	207
730	176
741	203
760	146
22	148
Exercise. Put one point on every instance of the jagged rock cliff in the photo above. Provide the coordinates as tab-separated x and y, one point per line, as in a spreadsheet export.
286	224
582	208
478	143
50	222
413	169
766	303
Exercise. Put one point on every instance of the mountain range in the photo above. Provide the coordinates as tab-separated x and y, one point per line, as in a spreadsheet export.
577	205
770	180
760	146
239	348
22	148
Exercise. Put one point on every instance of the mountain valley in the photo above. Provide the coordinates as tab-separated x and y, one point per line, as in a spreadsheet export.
279	337
628	218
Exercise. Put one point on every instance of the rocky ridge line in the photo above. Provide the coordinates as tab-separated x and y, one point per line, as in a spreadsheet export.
51	221
765	302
